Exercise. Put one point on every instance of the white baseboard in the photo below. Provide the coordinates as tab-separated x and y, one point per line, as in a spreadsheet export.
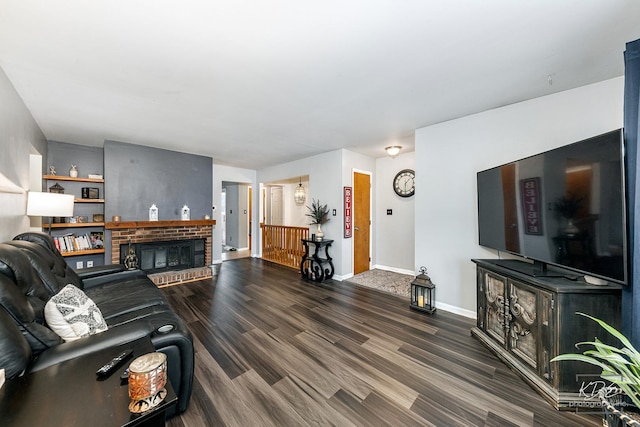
394	269
456	310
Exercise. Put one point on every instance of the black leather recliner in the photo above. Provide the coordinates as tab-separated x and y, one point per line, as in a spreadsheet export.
32	271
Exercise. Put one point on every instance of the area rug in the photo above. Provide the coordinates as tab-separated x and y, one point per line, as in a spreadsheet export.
383	280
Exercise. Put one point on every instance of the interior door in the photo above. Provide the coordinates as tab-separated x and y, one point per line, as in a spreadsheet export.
361	222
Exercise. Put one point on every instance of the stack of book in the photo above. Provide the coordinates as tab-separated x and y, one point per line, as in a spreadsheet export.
82	242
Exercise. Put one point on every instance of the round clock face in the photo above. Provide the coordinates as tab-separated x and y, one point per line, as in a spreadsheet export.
404	183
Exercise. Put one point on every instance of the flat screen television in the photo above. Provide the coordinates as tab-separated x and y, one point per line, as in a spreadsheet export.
564	207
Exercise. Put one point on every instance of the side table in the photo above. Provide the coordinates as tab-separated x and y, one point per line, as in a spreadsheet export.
315	267
69	394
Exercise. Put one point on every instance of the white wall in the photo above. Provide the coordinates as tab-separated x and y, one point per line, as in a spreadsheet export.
448	156
19	136
364	164
394	234
328	173
295	215
231	174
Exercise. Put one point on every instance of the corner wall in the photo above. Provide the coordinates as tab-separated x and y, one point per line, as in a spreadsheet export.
395	233
448	156
20	136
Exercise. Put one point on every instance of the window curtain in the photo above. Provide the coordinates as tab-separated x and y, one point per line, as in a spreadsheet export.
631	293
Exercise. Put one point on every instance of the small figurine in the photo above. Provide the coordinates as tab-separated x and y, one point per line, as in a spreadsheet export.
73	172
52	170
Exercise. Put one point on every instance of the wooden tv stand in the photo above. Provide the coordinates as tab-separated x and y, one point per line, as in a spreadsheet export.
527	321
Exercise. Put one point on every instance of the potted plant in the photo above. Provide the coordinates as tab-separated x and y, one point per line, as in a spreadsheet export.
319	214
620	366
567	207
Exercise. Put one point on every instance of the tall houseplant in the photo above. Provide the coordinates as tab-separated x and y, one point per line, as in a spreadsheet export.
319	214
620	366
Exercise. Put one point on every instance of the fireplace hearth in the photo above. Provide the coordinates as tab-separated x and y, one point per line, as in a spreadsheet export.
143	232
171	255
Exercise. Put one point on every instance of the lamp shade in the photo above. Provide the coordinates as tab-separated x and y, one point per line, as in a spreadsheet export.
49	204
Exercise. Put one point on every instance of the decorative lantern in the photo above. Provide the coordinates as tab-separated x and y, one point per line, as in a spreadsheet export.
423	292
153	213
185	213
299	195
57	188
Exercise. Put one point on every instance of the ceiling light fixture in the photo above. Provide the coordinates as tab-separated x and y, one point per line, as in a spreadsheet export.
299	195
393	151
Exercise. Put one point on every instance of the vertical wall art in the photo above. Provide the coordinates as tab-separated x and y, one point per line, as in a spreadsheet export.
348	212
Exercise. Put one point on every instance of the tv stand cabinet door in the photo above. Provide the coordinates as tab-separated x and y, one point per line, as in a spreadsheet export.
494	298
530	333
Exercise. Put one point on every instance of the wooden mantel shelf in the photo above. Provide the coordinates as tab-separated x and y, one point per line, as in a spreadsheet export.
159	224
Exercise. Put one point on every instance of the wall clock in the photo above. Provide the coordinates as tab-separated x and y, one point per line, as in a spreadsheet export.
404	184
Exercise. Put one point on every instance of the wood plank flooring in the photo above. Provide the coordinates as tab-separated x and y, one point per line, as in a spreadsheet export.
275	350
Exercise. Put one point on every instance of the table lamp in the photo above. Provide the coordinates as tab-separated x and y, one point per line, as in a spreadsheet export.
49	204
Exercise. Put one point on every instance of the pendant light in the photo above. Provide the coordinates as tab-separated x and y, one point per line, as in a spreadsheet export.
299	195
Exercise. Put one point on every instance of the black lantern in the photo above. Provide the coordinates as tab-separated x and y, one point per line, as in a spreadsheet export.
423	292
57	188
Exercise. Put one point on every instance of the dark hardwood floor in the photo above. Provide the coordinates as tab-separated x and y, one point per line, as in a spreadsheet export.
275	350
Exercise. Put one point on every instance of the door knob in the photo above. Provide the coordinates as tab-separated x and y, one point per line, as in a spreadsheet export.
357	228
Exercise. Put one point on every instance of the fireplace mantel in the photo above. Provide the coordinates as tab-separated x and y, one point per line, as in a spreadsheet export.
120	225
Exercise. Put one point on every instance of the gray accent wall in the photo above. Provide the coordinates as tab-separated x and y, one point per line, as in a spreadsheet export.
137	177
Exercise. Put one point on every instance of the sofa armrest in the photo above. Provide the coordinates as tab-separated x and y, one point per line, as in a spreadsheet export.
99	270
72	349
90	282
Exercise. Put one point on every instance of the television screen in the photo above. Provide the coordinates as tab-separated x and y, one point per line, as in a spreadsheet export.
564	207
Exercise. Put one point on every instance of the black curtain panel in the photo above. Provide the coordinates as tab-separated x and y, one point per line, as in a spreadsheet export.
631	293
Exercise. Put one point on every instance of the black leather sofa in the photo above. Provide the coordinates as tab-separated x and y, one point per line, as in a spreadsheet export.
32	271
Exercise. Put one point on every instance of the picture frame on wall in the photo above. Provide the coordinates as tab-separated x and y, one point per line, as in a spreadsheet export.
348	212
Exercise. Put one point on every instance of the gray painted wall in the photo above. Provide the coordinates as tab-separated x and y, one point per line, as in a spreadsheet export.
20	136
137	177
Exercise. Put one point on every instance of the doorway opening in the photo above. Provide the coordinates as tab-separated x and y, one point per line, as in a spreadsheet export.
235	206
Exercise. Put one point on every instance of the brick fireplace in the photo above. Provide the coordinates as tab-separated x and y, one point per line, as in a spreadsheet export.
123	232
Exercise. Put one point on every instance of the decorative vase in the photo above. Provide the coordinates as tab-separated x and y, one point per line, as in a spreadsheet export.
319	233
571	229
73	172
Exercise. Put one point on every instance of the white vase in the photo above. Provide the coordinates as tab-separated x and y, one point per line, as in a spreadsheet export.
73	172
319	233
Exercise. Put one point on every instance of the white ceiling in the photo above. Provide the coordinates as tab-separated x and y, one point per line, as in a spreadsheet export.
254	83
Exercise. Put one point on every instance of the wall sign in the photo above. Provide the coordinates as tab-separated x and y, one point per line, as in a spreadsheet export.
348	212
531	205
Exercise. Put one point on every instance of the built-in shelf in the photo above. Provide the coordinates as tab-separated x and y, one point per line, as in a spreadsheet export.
87	252
70	178
77	224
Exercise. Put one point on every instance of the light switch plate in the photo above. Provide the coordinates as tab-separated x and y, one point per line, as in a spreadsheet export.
89	264
79	265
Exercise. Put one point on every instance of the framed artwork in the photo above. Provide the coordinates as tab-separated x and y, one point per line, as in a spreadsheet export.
348	212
